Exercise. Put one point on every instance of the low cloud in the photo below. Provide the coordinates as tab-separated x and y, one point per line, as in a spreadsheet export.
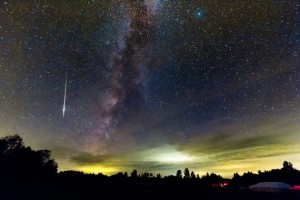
87	158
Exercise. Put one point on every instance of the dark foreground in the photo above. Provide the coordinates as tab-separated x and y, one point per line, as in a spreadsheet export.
91	191
32	175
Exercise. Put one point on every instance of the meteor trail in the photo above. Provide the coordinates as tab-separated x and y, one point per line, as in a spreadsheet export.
65	95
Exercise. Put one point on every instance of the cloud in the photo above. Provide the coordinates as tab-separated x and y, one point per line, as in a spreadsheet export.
88	158
225	152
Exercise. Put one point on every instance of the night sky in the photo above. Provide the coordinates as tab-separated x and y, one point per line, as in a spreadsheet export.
153	85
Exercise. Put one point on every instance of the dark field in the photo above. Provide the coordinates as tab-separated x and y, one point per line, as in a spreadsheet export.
95	191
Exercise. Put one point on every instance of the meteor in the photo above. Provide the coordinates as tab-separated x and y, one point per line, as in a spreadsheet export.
65	95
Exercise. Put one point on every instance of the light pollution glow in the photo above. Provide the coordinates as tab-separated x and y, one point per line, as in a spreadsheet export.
264	151
224	155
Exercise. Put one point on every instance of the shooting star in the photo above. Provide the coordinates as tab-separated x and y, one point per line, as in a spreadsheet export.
65	95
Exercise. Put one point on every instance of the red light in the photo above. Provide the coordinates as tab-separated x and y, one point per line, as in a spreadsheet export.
296	187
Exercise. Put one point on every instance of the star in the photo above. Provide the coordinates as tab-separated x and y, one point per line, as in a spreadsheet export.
199	14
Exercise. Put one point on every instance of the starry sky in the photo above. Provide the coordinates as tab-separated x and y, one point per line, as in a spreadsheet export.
153	85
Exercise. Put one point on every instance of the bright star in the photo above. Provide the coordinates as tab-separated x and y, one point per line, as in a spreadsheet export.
199	14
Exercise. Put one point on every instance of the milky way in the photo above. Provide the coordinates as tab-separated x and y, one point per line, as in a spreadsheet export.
126	65
154	85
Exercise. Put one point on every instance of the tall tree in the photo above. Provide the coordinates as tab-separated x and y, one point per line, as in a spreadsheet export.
186	173
287	166
134	174
193	176
179	174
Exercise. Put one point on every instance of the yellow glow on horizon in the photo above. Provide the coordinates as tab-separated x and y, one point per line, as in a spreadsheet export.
228	168
95	169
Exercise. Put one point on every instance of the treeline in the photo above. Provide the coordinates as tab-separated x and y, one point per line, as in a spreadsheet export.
287	174
33	174
209	180
18	161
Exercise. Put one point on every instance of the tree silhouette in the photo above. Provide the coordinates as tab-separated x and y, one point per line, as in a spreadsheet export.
145	175
186	173
10	143
20	162
179	174
193	176
134	174
287	166
158	176
212	179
